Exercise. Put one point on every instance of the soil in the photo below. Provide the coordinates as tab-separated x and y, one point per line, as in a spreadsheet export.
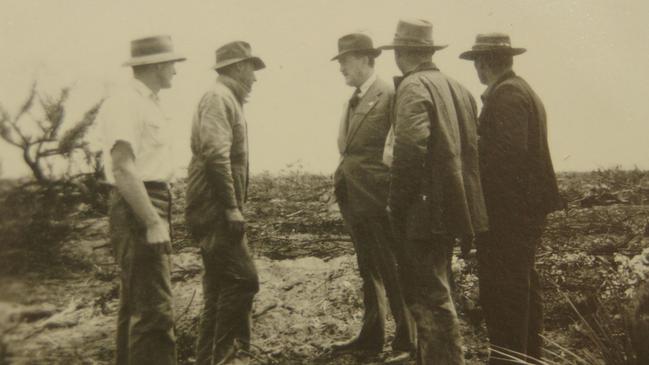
310	289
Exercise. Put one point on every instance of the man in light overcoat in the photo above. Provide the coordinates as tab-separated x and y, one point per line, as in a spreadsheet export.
435	192
217	187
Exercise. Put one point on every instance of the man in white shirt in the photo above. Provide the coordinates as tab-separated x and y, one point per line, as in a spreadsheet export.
361	186
136	141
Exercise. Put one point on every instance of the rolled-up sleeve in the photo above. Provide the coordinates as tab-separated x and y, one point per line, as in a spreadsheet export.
412	129
216	142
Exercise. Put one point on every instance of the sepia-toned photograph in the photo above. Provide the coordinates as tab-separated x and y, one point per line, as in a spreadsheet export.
310	182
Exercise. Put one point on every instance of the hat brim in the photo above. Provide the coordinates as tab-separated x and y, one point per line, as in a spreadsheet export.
393	46
374	52
256	61
473	54
155	58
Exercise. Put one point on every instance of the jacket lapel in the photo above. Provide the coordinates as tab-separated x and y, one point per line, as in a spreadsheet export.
342	130
365	105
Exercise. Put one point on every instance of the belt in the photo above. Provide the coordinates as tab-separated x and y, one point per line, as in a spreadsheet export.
156	185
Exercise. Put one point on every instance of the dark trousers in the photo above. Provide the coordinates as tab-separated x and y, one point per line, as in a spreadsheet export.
510	294
230	283
145	322
424	270
374	246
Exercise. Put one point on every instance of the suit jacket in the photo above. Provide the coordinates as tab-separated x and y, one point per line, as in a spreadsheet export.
361	179
435	180
517	173
218	171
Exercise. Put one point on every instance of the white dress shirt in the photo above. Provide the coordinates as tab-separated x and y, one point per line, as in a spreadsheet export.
134	115
366	85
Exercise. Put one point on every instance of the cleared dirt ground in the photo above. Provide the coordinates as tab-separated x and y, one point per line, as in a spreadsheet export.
310	290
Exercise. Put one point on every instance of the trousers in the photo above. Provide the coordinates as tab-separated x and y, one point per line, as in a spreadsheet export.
230	283
424	272
145	319
374	245
510	292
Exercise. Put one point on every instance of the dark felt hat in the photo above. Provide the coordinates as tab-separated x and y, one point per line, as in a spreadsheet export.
414	33
234	52
356	42
491	43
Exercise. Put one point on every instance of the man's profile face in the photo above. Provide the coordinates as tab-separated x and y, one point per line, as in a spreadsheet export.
247	73
398	59
166	72
480	68
352	66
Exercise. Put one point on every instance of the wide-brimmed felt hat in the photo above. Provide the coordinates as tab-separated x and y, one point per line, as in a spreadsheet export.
491	43
356	42
150	50
234	52
414	33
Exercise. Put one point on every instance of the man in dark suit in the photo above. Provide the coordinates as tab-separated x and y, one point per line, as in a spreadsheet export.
520	189
435	193
361	187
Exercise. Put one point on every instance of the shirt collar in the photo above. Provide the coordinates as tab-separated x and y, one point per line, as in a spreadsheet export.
503	77
367	84
144	90
426	66
239	90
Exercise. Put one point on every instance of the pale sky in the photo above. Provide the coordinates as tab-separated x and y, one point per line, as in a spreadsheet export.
587	59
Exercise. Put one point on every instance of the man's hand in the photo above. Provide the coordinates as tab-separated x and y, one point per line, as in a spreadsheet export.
158	233
132	188
236	222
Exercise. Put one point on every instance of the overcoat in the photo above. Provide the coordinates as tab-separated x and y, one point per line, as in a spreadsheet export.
435	178
516	167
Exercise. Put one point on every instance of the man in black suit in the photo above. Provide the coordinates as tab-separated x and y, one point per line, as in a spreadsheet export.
520	189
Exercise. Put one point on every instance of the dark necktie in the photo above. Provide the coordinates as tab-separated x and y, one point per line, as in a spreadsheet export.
353	101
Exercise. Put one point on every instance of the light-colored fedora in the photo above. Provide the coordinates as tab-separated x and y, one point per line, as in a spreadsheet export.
491	43
356	42
414	33
234	52
156	49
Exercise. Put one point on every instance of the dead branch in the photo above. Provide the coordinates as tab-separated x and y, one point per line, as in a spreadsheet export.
294	213
264	310
186	308
328	239
99	247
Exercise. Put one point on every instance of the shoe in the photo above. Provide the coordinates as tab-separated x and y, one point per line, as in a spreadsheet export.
399	357
239	360
240	357
355	346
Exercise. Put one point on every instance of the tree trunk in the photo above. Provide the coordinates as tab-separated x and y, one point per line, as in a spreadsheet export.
37	171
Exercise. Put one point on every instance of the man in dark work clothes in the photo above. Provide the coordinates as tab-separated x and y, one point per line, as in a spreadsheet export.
520	189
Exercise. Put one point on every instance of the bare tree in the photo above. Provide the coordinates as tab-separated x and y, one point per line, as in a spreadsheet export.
36	132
